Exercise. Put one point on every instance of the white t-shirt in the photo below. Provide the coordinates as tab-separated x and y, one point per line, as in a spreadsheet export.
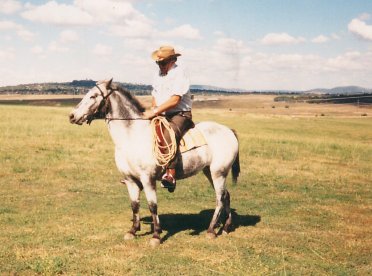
174	83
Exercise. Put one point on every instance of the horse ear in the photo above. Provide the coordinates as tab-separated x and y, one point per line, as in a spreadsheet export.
109	81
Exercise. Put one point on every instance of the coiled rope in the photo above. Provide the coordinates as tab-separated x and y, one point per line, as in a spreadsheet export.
163	151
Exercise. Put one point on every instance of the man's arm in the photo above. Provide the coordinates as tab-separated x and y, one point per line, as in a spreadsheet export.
169	104
172	102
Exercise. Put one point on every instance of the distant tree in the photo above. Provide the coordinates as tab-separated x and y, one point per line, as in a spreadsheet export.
84	83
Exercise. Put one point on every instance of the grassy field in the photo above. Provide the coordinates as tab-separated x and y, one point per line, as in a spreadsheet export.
302	205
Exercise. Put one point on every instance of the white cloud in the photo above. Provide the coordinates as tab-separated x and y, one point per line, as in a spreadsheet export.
230	46
6	54
102	50
185	31
25	34
67	36
320	39
119	17
264	70
54	46
10	6
37	50
222	63
58	14
7	37
109	10
349	61
136	29
364	16
228	55
86	13
158	37
361	29
132	29
169	21
289	63
61	44
21	31
335	36
219	33
281	39
135	61
8	25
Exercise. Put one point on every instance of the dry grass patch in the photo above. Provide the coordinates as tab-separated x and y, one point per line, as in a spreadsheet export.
302	204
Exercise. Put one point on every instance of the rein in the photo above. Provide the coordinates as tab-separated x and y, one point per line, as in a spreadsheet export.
104	103
124	119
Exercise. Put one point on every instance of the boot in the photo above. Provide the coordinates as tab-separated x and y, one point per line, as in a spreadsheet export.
169	180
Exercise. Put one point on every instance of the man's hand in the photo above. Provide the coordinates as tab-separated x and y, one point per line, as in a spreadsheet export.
149	114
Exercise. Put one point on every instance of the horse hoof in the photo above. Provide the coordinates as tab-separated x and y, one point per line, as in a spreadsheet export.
211	236
154	242
129	236
225	233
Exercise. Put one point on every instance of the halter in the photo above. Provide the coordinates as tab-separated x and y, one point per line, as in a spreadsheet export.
104	103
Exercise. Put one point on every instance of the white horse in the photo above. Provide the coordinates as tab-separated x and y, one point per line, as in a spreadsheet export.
133	139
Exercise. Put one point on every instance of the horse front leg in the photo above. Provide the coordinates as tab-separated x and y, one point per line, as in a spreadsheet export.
134	195
150	191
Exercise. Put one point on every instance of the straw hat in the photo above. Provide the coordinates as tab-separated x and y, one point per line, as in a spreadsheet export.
164	52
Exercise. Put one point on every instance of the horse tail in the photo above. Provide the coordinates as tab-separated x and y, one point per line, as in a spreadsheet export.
235	169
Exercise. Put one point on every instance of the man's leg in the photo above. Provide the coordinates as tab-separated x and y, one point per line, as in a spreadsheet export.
180	124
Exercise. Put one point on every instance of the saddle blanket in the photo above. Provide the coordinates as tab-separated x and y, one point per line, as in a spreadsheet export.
193	138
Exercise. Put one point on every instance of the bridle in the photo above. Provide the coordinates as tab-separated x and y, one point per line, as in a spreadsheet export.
103	94
105	103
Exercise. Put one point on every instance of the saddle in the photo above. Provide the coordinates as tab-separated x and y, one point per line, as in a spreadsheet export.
164	151
192	139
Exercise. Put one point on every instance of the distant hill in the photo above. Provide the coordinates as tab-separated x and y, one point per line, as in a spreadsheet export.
342	90
197	87
77	87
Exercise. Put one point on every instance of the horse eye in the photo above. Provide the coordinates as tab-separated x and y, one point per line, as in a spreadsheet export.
93	97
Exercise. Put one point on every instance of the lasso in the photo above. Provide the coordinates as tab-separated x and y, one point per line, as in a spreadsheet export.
163	153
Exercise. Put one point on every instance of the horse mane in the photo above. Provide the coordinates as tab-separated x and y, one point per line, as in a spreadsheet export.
126	93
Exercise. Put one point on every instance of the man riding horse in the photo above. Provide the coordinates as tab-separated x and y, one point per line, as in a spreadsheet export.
171	98
132	135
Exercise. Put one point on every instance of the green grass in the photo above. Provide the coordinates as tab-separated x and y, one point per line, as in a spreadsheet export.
302	204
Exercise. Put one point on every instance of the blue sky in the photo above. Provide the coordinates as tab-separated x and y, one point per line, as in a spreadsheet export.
248	44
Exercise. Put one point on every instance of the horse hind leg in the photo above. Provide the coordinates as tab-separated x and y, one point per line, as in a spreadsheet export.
220	189
228	222
207	173
225	203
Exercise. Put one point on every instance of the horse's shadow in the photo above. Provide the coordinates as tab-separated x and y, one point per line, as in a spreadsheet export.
175	223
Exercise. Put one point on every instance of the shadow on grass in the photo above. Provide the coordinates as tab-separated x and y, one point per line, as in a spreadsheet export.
175	223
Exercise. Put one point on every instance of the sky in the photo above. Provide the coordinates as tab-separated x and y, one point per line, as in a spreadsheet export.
246	44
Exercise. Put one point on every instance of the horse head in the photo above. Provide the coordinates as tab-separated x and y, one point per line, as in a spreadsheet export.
93	104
